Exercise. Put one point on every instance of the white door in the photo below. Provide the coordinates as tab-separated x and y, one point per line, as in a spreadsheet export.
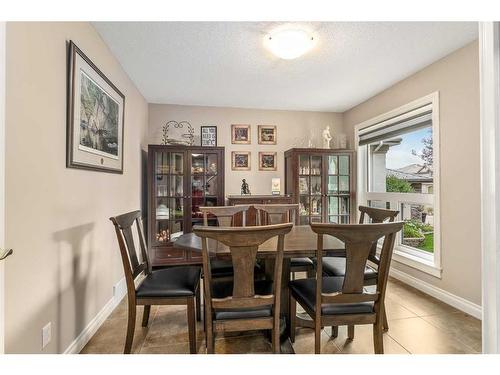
2	183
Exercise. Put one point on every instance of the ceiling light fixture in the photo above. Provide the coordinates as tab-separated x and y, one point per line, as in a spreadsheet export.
289	44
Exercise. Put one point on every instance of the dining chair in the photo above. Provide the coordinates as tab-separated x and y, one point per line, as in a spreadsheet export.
224	216
284	213
342	300
244	303
335	266
169	286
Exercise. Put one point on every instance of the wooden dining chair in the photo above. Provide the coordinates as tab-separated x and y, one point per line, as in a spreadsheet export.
225	218
335	266
284	213
243	303
343	300
170	286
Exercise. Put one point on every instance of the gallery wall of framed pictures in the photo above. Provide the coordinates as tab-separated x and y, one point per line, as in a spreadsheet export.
241	134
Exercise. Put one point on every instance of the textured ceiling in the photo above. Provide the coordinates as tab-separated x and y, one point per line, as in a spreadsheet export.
225	63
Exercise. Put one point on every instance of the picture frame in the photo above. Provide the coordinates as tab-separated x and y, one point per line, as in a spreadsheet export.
95	117
241	160
240	134
268	161
267	134
208	136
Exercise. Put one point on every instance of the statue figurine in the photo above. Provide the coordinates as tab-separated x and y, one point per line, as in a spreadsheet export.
327	137
245	189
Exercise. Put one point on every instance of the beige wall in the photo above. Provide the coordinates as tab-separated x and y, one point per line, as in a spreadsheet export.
66	257
456	77
293	127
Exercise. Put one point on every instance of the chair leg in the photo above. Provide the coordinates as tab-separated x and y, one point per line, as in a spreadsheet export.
293	317
386	324
130	329
209	334
276	334
317	336
198	305
378	340
191	324
335	331
145	315
350	332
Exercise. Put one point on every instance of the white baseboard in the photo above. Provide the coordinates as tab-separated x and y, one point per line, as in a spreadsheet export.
457	302
120	290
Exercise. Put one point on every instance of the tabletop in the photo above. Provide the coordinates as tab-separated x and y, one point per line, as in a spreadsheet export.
300	242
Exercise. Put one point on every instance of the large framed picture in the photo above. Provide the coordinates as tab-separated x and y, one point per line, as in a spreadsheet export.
267	134
240	134
267	161
94	117
240	160
209	136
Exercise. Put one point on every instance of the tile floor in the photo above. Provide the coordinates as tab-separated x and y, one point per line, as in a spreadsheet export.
418	323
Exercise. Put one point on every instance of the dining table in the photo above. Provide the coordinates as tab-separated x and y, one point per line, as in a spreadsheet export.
301	241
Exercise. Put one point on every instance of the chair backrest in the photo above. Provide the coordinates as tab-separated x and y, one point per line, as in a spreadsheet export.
224	214
277	213
358	240
132	265
243	244
376	215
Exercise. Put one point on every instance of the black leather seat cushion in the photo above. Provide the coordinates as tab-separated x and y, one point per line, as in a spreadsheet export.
222	289
170	282
335	266
224	268
304	290
301	262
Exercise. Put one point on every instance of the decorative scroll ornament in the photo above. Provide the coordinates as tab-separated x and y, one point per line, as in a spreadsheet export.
185	138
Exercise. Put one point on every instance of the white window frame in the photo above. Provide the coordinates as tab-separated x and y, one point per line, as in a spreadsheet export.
425	262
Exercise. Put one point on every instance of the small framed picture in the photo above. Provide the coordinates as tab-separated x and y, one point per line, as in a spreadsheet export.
241	160
240	134
209	136
267	161
267	134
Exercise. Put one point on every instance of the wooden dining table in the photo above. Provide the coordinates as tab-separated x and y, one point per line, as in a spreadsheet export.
300	242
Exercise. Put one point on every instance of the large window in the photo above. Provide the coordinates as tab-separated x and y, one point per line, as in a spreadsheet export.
398	159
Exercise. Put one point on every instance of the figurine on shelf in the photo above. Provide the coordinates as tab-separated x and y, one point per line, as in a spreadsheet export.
245	189
327	137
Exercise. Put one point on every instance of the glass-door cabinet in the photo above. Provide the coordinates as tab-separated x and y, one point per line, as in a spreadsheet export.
321	181
180	180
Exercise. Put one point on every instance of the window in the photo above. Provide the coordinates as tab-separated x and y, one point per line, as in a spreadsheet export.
399	169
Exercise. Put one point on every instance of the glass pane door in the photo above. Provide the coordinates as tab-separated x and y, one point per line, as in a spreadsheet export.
310	189
204	185
169	200
338	189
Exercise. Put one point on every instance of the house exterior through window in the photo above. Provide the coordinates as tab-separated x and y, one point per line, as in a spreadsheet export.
398	160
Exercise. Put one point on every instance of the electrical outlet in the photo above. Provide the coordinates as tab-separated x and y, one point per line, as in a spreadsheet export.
46	334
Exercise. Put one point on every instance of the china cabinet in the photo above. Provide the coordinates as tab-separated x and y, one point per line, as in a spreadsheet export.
180	180
322	182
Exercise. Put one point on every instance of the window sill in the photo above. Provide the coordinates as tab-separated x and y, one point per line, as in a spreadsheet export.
422	263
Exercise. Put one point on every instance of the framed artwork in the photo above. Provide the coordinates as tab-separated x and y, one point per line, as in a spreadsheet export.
267	134
240	134
267	161
209	136
95	112
240	160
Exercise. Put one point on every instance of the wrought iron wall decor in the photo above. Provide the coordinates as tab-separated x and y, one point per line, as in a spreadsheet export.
187	138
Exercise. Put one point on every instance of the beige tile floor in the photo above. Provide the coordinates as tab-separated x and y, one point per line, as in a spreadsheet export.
418	323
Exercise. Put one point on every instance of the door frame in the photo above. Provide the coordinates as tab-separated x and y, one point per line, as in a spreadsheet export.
489	63
2	182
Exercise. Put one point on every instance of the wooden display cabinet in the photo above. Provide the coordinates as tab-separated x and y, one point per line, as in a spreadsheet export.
180	180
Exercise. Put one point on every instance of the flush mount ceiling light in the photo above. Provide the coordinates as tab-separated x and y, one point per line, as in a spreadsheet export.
289	44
